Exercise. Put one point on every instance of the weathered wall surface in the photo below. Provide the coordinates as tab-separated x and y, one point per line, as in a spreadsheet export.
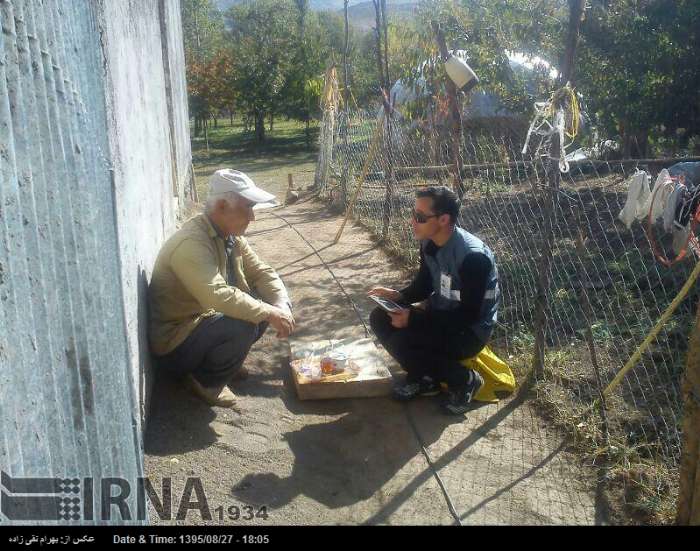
149	148
94	164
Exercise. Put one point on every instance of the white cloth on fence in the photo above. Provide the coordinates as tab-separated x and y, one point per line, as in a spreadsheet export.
680	237
637	196
672	205
659	196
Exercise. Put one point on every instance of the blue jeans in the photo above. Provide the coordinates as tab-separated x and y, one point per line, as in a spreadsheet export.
214	351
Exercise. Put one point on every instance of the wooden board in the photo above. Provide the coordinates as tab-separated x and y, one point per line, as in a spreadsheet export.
366	376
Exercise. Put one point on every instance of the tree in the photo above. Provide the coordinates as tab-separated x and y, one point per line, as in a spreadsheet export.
488	31
263	47
639	71
268	63
202	29
210	88
317	46
203	35
297	95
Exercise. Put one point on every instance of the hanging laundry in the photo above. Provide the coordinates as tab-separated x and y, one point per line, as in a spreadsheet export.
680	238
637	196
658	198
687	206
689	174
672	204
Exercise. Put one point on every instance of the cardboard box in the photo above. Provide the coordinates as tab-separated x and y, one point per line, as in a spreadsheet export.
365	376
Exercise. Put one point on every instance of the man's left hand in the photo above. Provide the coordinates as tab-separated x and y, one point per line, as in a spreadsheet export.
400	319
286	307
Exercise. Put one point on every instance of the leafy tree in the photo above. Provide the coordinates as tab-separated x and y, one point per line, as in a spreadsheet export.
636	64
314	51
203	35
364	78
639	71
210	88
280	50
202	29
263	47
487	30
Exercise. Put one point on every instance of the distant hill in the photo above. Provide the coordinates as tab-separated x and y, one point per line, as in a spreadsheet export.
361	16
360	12
337	5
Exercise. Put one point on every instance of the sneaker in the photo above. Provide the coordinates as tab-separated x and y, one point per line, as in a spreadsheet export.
458	400
219	396
425	387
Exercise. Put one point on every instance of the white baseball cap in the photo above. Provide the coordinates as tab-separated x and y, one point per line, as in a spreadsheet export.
228	180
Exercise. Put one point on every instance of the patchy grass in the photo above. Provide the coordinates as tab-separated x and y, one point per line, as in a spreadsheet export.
640	486
285	151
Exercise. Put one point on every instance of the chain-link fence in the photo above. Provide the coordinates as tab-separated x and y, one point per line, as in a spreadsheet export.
605	288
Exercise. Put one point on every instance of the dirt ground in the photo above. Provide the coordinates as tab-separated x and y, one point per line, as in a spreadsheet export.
355	461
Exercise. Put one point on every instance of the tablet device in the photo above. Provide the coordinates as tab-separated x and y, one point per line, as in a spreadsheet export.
388	305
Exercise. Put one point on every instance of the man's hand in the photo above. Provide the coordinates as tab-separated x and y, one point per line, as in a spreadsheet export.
286	307
385	292
400	319
282	321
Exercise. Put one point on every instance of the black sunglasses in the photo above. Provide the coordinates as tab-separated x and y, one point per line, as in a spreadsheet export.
421	218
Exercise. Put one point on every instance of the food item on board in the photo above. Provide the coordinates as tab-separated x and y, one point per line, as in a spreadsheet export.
334	362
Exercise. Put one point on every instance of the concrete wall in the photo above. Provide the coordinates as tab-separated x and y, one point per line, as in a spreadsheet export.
176	94
94	160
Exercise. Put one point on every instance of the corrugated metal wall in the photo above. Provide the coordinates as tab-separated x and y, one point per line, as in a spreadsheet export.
66	395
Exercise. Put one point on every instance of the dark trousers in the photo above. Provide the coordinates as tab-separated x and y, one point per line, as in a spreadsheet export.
426	352
214	351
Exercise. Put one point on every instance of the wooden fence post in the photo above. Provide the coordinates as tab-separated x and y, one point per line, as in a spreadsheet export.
551	195
345	127
455	115
688	512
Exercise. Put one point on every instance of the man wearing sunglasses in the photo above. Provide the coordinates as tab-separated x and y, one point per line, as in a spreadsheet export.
459	279
211	297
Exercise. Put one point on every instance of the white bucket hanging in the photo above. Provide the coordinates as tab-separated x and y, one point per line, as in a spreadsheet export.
460	73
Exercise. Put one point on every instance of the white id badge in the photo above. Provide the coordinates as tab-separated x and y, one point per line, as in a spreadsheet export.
445	285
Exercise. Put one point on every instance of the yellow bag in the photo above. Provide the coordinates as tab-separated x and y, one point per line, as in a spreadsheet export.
497	375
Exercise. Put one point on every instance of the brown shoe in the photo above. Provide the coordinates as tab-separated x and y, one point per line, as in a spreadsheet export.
240	375
221	397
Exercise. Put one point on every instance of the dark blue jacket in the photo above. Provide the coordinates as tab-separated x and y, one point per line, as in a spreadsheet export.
460	280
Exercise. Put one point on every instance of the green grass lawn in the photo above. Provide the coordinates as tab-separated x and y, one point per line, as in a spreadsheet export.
285	151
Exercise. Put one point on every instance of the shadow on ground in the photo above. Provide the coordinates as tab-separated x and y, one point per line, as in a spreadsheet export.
347	460
360	460
179	422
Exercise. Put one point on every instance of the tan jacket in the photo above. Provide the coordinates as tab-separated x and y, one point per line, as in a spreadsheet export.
189	284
